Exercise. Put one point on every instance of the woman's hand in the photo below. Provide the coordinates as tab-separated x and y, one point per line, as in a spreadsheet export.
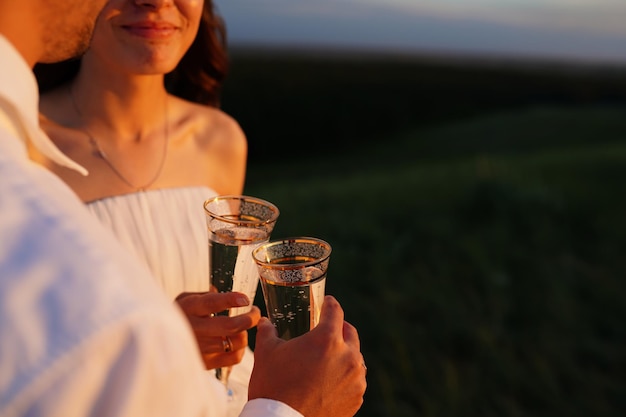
222	340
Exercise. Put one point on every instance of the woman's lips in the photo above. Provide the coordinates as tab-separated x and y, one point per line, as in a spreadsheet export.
150	30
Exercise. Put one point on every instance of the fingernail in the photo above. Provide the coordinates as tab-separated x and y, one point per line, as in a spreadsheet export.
242	301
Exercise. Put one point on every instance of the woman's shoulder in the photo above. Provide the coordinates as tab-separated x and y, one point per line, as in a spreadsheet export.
211	126
212	145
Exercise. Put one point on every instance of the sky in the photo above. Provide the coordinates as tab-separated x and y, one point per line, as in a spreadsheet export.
588	30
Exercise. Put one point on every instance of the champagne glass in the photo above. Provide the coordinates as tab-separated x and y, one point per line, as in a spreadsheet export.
236	224
293	279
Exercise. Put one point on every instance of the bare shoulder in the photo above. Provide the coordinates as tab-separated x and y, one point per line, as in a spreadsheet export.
213	130
211	146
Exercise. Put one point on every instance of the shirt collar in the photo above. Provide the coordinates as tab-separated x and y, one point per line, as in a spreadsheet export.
18	89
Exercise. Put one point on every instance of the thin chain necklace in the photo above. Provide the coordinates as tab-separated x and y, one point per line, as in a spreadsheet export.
106	159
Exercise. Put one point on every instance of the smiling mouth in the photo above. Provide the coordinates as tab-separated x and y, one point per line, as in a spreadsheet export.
151	31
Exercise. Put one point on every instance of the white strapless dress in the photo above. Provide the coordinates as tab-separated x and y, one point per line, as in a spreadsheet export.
166	229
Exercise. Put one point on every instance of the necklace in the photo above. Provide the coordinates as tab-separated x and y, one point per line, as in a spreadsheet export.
105	158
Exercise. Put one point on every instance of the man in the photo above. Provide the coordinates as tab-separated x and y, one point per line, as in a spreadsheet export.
83	329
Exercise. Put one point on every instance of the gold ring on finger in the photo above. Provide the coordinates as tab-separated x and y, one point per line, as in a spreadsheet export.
227	344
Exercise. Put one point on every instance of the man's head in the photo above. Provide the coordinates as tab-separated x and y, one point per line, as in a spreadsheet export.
49	30
68	24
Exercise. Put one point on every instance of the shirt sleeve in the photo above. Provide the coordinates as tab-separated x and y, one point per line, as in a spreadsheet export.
133	368
262	407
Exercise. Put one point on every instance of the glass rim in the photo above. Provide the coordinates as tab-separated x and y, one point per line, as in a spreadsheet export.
276	242
227	219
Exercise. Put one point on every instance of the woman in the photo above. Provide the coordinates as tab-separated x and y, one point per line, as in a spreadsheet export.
154	156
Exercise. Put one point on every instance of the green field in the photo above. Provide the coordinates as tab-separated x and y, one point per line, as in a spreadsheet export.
479	249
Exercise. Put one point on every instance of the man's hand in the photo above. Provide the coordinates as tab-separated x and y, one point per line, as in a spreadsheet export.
320	374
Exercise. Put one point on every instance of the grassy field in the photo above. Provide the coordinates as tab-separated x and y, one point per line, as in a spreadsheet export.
478	251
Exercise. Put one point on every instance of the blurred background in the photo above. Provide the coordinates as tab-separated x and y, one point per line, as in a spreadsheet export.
466	159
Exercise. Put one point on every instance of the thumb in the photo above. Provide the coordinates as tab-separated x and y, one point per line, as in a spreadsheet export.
331	316
266	334
265	328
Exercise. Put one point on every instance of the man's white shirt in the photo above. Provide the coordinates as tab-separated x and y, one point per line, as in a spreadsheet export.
84	329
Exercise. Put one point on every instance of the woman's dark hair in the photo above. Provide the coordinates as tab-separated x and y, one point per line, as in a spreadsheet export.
198	77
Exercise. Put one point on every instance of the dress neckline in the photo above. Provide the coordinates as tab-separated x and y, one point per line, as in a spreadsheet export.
154	191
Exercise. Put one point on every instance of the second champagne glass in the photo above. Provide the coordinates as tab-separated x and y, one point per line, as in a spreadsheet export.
293	278
237	224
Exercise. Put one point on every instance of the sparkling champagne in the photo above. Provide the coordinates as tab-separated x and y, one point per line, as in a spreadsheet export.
232	266
236	224
294	307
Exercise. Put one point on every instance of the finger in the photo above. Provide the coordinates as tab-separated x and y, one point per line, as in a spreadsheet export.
266	335
331	316
351	336
216	344
184	294
222	325
212	361
205	304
